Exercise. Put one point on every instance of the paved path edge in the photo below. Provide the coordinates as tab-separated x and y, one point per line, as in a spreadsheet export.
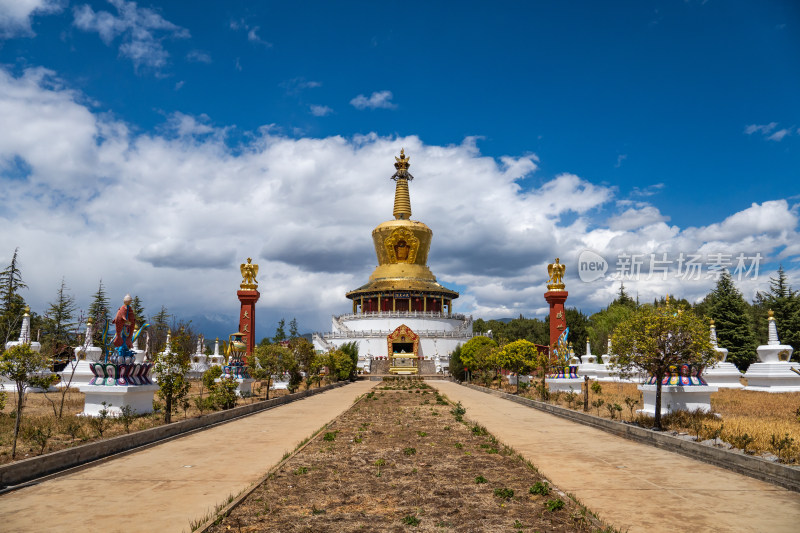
13	475
755	467
225	511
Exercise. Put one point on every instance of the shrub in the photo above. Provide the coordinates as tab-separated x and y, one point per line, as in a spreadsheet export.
480	479
410	451
555	505
597	388
410	520
210	375
223	393
541	488
330	436
504	493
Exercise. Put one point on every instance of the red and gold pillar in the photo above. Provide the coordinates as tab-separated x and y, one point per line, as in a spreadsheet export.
247	316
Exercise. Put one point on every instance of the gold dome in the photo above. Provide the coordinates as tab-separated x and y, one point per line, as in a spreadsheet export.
402	246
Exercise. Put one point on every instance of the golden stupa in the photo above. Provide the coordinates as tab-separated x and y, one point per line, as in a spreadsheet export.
402	280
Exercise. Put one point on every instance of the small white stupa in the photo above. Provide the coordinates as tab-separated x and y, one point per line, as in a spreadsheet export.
772	372
198	364
78	372
24	338
217	359
722	374
588	366
602	371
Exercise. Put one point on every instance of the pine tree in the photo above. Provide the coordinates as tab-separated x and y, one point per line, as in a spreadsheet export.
293	329
11	302
98	310
730	312
785	303
138	311
159	328
280	332
60	320
623	298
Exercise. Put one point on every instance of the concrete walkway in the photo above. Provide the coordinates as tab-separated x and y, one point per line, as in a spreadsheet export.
632	486
163	487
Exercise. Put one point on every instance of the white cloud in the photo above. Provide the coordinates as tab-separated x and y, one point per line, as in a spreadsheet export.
779	135
198	56
297	85
320	110
252	32
620	159
762	128
142	30
378	99
15	15
169	215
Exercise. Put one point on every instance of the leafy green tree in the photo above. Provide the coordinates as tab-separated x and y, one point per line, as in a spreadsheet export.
519	356
456	364
273	360
785	303
476	351
303	352
25	368
602	324
293	329
280	332
339	364
171	369
654	339
11	302
351	349
731	315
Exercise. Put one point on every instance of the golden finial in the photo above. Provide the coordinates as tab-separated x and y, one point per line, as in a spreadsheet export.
556	273
667	302
89	321
711	321
770	315
401	163
27	310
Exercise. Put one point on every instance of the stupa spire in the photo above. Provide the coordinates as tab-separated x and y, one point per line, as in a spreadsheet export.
402	200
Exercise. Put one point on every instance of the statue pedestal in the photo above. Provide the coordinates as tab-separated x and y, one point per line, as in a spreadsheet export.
139	397
725	376
82	375
677	398
558	321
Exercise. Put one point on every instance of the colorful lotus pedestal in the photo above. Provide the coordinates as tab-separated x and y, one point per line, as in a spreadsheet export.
682	389
773	371
119	380
564	379
722	374
118	385
236	369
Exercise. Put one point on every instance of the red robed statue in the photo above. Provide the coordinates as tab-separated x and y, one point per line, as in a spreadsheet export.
125	322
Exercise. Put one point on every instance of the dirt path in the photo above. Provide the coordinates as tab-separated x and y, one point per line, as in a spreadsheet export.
164	487
633	486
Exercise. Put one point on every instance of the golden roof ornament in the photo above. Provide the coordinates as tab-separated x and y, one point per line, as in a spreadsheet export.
770	315
556	272
249	272
402	200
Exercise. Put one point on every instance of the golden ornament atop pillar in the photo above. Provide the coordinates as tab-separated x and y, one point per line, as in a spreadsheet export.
556	272
402	200
249	273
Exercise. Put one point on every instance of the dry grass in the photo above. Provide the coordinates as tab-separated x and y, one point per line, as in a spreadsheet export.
766	422
399	461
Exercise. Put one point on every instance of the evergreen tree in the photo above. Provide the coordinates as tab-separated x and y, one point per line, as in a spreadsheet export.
60	320
11	302
785	303
293	329
623	298
729	310
280	332
159	327
138	311
98	309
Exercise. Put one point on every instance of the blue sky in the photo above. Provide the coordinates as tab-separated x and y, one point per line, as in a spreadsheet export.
535	129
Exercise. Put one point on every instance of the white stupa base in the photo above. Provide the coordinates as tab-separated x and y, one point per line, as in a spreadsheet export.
564	384
604	373
512	379
724	375
280	384
82	375
196	370
245	386
773	377
677	398
139	397
589	369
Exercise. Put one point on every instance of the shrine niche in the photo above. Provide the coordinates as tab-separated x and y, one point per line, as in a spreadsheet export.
402	246
403	347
